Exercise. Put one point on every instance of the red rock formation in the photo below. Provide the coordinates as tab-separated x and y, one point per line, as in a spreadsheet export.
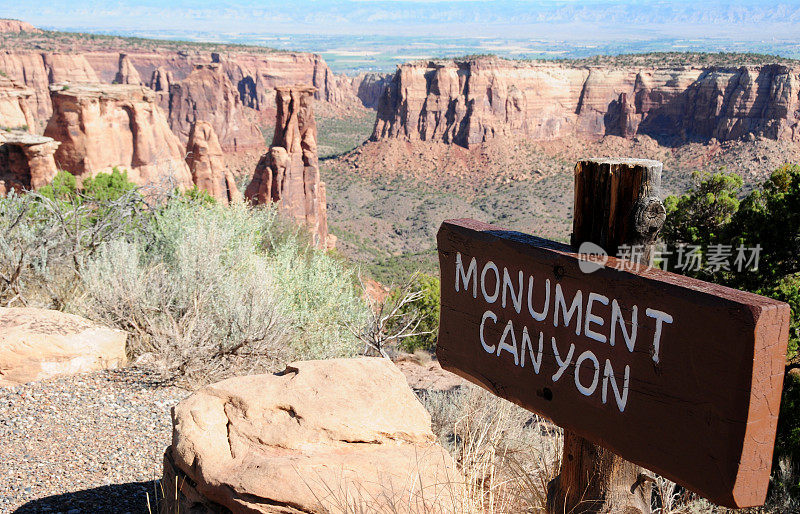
16	26
15	112
127	73
161	79
288	174
369	87
102	126
26	161
253	75
208	95
207	164
472	101
38	70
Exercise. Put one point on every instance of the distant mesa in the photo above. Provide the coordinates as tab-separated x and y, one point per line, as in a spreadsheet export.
471	101
12	26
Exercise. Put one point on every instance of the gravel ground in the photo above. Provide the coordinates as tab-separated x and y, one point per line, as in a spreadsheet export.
86	443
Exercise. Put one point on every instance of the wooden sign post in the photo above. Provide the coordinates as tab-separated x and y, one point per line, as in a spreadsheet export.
674	374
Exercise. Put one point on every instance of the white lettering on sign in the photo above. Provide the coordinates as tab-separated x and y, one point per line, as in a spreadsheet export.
517	344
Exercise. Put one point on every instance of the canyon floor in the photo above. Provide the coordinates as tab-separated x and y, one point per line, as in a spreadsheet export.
386	199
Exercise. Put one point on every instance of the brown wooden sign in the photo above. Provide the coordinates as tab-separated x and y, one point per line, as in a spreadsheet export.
677	375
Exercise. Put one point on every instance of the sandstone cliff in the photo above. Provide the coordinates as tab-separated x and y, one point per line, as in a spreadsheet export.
369	87
207	164
254	75
16	26
15	112
38	70
472	101
102	126
208	95
26	161
288	174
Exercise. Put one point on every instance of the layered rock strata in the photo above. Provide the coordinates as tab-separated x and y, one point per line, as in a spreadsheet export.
207	164
15	112
253	76
472	101
102	126
288	174
208	95
26	161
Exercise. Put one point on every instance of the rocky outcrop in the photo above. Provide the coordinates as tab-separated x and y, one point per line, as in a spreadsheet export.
15	112
207	164
26	161
38	70
256	77
16	26
161	79
102	126
127	73
369	87
336	435
253	76
208	95
37	344
288	174
472	101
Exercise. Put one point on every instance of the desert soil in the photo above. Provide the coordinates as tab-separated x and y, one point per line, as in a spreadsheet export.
88	443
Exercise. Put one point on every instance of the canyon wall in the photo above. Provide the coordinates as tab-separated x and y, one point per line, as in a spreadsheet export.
102	126
288	174
254	76
15	112
38	70
369	87
472	101
208	95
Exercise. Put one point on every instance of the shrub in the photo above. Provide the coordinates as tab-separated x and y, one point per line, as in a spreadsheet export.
108	186
426	307
45	239
769	218
63	187
207	290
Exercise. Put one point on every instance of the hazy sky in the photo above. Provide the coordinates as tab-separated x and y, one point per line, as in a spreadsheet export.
567	19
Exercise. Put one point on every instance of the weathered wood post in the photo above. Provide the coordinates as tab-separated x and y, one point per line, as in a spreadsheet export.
616	203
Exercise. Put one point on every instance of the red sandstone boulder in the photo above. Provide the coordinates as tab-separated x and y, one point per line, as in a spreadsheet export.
207	165
36	344
341	435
